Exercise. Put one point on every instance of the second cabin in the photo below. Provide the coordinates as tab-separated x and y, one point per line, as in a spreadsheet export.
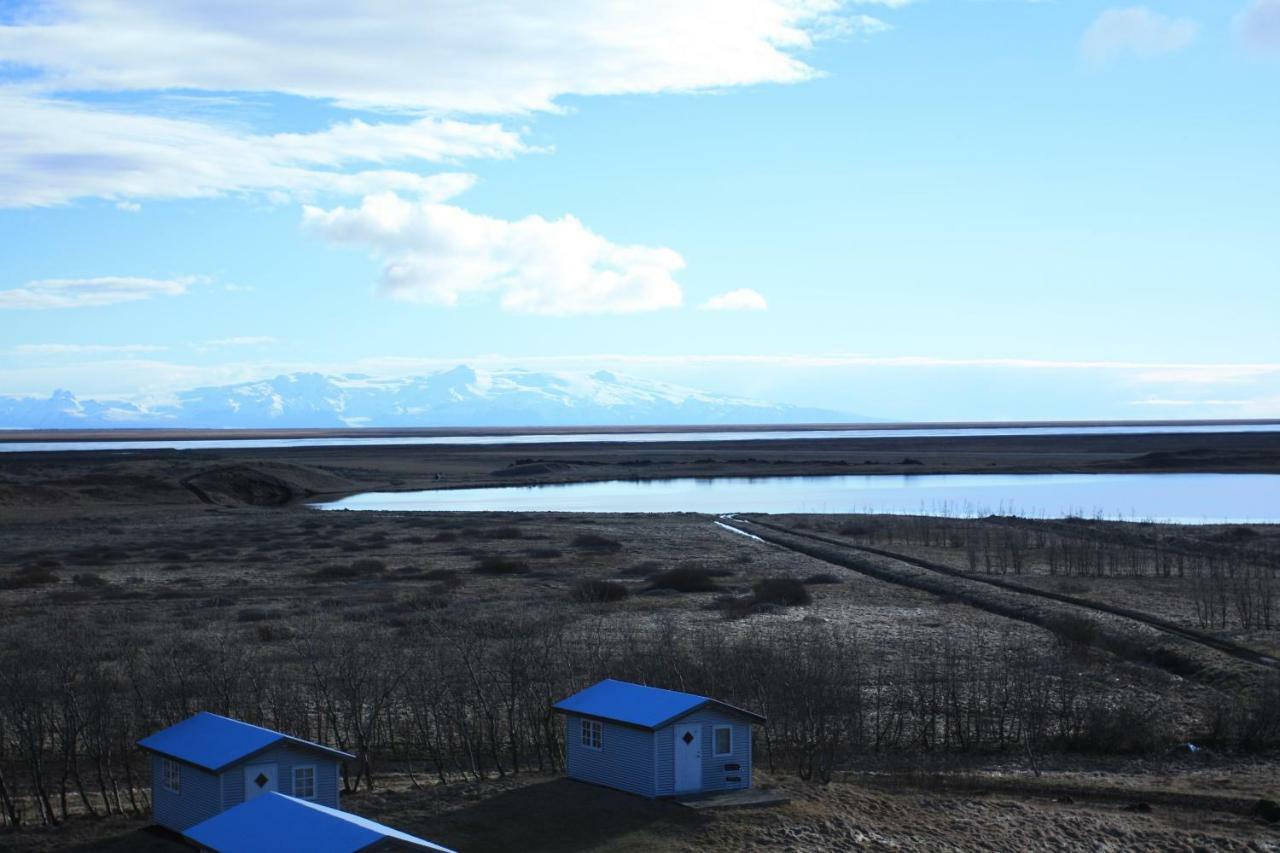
207	764
654	742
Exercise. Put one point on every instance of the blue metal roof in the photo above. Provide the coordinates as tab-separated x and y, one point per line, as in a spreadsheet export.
273	822
215	742
637	705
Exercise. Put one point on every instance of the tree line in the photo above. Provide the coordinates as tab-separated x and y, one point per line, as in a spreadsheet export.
450	697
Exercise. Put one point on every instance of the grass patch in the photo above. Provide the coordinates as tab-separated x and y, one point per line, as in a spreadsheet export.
357	569
495	564
31	576
686	579
597	543
822	578
592	591
787	592
450	578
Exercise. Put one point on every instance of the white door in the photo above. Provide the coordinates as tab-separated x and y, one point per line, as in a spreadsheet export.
260	778
688	758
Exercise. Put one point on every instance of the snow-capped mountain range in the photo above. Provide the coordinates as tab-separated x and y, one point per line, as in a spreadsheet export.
457	398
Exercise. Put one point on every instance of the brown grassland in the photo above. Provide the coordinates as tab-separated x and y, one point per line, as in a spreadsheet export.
923	692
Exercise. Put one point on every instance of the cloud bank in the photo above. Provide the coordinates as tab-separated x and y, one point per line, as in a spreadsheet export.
1138	31
93	292
442	255
742	299
486	57
1258	26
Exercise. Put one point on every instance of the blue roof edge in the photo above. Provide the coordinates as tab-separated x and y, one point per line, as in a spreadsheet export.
723	706
279	737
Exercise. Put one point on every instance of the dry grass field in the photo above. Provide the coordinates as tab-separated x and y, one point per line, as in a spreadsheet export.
908	709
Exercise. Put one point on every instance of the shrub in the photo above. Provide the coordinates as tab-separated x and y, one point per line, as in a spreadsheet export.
545	553
685	579
96	554
253	614
822	578
495	564
30	576
449	578
269	632
596	542
88	579
1123	728
445	536
1079	632
359	568
71	596
647	569
788	592
426	602
592	591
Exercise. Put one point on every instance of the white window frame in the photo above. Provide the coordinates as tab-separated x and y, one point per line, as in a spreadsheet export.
591	734
715	740
171	775
298	767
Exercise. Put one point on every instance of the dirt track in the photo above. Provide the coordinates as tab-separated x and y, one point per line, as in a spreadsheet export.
1208	640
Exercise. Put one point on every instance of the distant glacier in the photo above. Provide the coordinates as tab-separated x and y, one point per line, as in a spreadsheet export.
460	397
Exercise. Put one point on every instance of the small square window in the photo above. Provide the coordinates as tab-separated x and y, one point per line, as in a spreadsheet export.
171	773
592	734
304	783
723	740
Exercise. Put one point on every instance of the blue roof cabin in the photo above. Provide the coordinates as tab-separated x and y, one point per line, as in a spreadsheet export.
656	743
274	822
207	764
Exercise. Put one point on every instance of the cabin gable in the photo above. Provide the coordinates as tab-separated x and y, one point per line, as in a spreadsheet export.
287	757
719	772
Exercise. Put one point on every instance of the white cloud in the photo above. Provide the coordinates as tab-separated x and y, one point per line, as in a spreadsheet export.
481	57
67	349
440	254
1259	26
742	299
1136	30
129	206
92	292
54	151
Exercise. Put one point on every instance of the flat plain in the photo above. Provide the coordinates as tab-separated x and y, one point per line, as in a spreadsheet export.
922	694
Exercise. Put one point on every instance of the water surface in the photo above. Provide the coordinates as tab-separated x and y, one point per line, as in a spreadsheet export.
1181	498
626	437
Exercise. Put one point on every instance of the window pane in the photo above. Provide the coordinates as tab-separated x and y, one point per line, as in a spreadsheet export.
724	741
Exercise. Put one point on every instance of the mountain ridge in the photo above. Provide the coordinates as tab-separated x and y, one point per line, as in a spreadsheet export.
457	397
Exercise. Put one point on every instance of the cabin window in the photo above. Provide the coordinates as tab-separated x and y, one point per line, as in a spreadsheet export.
171	774
592	734
304	783
723	740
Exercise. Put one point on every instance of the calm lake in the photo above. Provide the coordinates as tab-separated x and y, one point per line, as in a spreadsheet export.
1184	498
626	437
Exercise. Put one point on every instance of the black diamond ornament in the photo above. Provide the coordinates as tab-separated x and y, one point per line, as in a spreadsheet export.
262	780
688	738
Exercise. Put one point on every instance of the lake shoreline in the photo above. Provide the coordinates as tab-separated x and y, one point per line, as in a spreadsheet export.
255	434
87	482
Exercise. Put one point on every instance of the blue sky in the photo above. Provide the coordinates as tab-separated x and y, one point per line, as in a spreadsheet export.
928	210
